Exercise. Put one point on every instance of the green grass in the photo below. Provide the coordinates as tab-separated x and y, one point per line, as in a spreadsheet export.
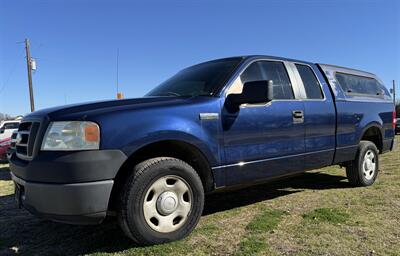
330	215
257	230
265	222
252	246
317	213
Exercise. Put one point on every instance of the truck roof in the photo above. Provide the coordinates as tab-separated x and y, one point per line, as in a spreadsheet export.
348	70
274	58
327	66
329	70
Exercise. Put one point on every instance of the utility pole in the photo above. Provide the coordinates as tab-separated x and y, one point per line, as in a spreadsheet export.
29	65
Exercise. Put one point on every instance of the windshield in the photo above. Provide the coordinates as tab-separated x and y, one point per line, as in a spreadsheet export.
200	80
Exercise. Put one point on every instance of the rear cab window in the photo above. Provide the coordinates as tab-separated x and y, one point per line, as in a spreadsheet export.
351	84
360	85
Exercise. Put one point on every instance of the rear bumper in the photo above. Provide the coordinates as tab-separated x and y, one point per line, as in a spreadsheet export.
76	203
3	155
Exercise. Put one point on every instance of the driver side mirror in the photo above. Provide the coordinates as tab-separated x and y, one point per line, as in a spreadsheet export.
1	131
253	92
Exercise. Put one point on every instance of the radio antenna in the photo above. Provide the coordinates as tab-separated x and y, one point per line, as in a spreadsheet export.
117	70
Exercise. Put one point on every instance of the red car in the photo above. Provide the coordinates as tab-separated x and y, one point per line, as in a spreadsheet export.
4	146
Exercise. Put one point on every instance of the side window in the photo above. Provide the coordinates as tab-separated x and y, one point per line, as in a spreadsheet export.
310	82
359	84
266	70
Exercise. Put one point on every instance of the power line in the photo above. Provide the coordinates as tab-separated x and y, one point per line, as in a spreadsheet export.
11	72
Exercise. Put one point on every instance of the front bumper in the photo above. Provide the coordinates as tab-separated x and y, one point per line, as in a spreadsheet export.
69	167
77	203
70	187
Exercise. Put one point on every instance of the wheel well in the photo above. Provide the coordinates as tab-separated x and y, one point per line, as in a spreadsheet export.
177	149
374	135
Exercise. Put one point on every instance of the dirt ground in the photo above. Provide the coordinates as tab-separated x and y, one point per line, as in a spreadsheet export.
317	213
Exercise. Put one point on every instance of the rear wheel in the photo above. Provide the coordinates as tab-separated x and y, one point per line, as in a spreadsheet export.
363	170
162	201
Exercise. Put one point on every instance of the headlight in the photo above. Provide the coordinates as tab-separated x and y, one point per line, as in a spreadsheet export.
72	135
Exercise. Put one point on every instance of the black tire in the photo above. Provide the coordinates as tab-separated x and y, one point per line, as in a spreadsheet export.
130	209
354	170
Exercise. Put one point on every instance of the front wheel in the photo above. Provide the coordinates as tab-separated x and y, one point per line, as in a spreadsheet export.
363	170
162	201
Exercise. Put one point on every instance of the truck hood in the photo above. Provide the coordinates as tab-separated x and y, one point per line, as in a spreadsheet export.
105	106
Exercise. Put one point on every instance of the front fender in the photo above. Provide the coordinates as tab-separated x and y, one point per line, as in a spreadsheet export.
211	153
136	134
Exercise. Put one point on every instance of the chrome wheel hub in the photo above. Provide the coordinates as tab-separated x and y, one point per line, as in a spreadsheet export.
369	165
167	203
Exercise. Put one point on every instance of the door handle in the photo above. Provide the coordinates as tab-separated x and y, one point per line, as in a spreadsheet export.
298	116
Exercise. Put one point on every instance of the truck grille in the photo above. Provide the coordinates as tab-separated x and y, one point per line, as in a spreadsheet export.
25	140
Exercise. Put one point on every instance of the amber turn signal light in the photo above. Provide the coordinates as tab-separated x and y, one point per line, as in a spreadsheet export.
92	133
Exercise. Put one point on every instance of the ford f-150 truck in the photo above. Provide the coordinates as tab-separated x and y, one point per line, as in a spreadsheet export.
223	123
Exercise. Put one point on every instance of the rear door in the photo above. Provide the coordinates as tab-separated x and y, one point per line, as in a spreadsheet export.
319	116
264	140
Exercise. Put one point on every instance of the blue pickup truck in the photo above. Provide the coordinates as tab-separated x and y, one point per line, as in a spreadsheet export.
219	124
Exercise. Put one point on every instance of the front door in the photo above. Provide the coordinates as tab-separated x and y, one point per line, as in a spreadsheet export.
264	140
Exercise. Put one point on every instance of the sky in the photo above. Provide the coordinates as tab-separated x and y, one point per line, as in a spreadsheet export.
75	42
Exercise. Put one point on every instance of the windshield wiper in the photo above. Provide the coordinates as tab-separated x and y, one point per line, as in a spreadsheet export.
171	93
